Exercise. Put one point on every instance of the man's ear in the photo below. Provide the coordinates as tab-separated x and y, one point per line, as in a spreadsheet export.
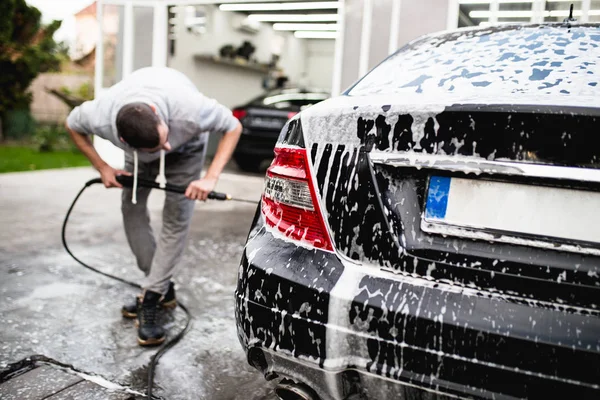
121	139
153	107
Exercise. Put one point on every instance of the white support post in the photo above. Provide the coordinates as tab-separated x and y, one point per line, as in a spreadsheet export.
537	11
365	38
160	35
453	10
128	27
338	60
99	70
105	149
111	154
585	10
494	8
394	26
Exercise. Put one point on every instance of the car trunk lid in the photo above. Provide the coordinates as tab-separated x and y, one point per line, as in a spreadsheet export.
375	204
259	120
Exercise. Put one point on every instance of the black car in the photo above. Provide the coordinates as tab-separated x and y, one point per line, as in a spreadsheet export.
262	120
434	232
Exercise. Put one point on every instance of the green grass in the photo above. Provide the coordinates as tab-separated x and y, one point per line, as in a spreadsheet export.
23	158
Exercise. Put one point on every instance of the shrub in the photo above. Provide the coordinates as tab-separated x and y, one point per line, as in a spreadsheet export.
50	138
26	50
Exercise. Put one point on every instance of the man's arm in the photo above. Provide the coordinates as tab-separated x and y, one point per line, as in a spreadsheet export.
199	190
107	173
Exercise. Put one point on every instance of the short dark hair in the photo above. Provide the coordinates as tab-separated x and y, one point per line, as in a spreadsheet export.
138	124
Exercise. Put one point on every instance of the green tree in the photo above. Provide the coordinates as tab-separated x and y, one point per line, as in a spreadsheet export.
26	50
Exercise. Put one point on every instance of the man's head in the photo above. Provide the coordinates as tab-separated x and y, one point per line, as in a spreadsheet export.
139	125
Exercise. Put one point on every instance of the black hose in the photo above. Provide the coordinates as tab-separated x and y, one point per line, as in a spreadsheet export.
170	343
64	240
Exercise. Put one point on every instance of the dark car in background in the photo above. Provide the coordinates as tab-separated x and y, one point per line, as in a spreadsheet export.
262	120
434	232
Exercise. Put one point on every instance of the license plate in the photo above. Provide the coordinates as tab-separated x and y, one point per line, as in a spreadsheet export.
266	123
501	211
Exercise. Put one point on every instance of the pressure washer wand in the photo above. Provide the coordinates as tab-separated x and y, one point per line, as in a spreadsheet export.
127	181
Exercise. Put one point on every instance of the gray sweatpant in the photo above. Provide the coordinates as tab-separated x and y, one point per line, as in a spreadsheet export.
159	259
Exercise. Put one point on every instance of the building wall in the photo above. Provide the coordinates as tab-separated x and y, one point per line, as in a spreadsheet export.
420	18
319	63
231	85
86	28
46	107
416	18
353	19
380	30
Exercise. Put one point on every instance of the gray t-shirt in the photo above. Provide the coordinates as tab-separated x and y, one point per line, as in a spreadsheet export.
187	112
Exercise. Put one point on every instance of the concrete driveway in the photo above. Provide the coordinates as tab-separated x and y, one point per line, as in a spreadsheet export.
50	305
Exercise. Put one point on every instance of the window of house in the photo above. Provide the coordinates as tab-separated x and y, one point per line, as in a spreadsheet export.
143	26
557	11
594	14
486	12
513	12
473	13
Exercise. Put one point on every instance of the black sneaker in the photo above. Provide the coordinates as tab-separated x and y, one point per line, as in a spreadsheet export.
150	333
130	310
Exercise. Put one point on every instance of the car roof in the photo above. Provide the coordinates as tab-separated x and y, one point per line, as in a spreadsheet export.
540	59
469	31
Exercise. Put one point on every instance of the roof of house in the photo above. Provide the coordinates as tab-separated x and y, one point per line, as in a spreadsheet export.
89	10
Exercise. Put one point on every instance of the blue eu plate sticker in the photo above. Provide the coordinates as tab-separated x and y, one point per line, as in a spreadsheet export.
437	197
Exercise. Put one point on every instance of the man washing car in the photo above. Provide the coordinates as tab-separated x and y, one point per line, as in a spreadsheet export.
161	121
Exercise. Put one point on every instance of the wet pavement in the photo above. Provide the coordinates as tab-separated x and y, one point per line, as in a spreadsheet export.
50	382
52	306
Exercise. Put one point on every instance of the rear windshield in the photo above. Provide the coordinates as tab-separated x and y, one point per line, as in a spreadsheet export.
533	60
293	101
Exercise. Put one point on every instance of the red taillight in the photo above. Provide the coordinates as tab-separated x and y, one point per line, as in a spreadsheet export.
239	113
292	114
289	202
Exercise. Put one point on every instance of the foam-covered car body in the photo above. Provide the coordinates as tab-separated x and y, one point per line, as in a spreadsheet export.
356	282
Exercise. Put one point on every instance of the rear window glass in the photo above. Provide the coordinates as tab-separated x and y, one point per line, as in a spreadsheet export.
282	100
547	60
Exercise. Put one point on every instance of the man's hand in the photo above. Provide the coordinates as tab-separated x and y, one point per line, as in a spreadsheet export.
109	176
107	173
199	190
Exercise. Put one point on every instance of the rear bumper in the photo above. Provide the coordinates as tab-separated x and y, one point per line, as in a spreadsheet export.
341	383
338	327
